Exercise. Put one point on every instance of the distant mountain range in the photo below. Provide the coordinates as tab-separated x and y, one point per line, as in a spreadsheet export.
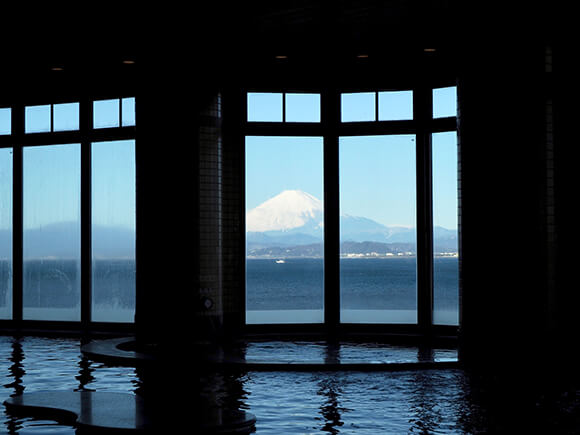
294	220
63	240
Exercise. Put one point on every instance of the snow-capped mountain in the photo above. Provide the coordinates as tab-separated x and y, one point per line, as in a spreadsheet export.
287	211
294	217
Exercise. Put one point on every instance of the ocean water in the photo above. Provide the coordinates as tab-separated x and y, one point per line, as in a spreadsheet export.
373	290
51	290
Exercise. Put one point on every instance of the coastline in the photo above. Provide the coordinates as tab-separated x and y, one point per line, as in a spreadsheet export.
351	256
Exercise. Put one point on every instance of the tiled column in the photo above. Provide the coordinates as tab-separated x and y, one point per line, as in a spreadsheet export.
221	250
209	313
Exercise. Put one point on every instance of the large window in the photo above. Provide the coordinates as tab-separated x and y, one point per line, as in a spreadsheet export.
383	249
445	230
352	219
52	232
284	224
67	211
5	232
113	231
378	267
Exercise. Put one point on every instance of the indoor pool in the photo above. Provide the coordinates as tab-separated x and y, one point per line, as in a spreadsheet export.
426	401
31	364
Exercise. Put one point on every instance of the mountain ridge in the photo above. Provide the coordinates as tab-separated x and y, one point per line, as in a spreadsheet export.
294	218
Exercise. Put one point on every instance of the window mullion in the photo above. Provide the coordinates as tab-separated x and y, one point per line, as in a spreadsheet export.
330	117
17	217
422	113
86	115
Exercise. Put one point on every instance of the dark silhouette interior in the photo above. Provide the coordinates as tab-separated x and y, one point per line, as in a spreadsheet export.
189	69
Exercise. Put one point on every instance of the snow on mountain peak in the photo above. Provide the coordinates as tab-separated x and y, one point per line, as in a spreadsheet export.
285	211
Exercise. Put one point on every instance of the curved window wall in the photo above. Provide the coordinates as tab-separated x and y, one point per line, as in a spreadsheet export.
67	215
383	165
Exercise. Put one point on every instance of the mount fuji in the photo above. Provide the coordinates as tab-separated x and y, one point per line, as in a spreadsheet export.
294	217
290	218
287	211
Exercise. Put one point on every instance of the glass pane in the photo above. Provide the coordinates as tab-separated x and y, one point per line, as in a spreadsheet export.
51	209
37	119
128	111
284	230
445	234
265	107
5	121
378	267
445	102
66	117
106	113
395	106
113	231
302	107
358	107
5	233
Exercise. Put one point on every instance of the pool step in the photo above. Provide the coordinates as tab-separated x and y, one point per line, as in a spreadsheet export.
107	412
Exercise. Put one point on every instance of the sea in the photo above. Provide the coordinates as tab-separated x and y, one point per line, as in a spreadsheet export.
372	290
51	290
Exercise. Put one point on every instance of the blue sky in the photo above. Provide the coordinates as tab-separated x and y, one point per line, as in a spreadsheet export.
377	173
51	184
51	174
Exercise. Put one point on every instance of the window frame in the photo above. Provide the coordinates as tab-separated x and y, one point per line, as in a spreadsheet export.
331	128
85	135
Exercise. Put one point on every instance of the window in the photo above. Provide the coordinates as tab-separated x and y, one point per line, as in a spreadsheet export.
394	106
114	113
377	106
52	242
38	119
6	233
264	107
359	106
367	256
113	231
127	112
5	121
445	232
445	102
65	117
378	266
70	191
302	108
51	118
284	230
283	107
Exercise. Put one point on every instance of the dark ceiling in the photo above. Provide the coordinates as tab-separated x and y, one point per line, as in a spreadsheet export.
226	35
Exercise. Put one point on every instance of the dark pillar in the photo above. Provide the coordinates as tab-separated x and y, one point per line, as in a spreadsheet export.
167	201
502	136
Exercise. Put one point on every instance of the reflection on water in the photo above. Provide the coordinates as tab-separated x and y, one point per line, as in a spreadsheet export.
30	364
16	370
436	401
330	409
347	352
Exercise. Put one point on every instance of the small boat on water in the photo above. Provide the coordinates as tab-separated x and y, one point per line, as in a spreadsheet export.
280	262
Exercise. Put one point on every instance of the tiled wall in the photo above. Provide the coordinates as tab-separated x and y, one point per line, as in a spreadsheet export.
221	221
210	309
549	196
233	241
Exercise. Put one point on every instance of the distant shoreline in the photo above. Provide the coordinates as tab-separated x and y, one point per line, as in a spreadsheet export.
351	256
